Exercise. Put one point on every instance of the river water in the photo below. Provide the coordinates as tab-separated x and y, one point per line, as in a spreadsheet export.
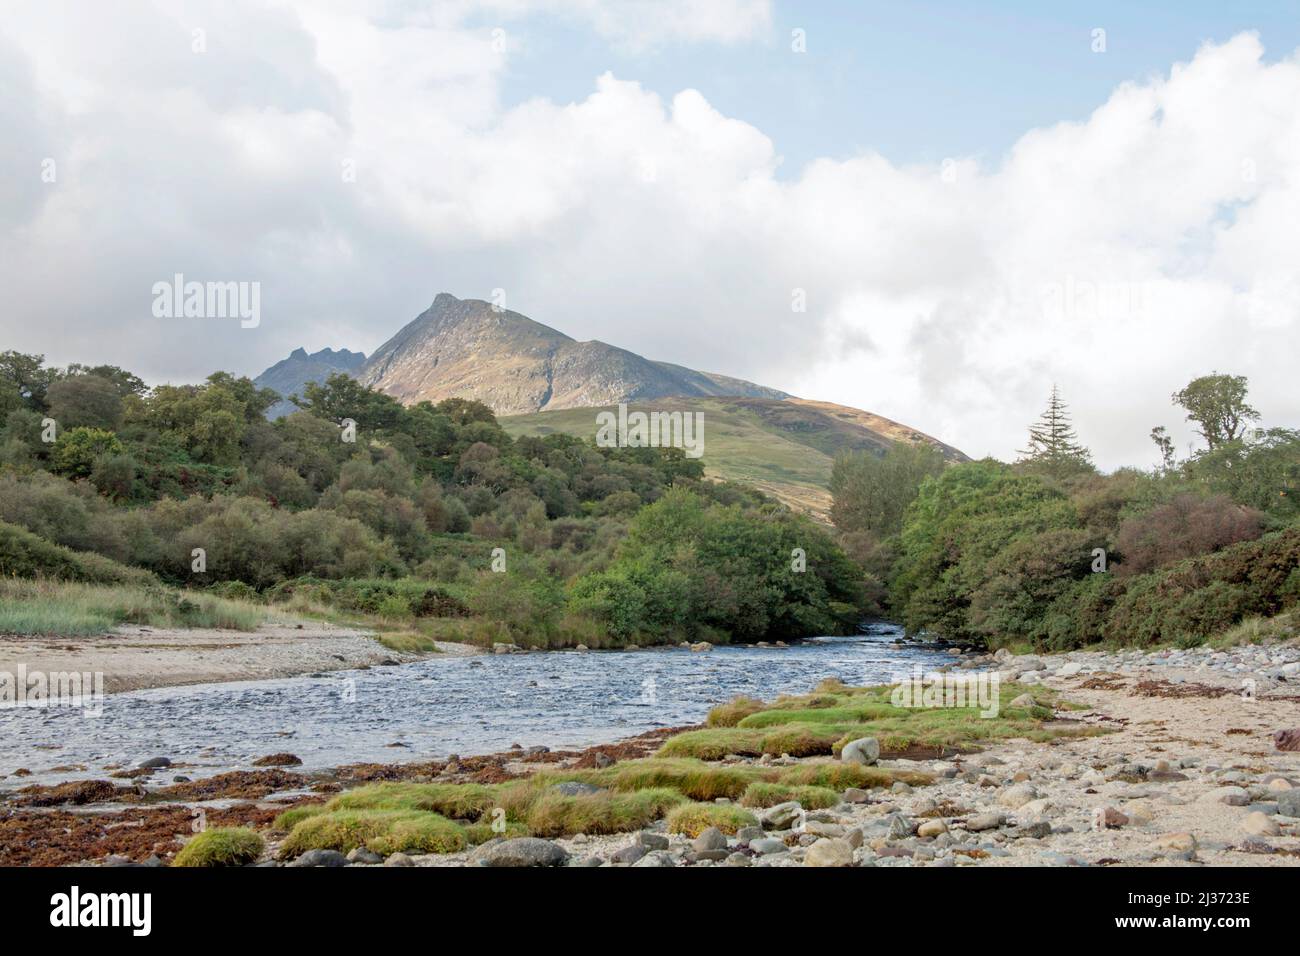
432	708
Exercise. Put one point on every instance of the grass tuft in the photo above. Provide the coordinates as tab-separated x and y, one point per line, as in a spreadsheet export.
292	817
693	819
226	846
841	776
733	712
761	795
552	814
383	831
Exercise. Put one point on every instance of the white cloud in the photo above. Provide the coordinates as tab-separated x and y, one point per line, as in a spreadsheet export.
1118	256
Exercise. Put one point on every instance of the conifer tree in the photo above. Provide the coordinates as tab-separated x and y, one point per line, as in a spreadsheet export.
1053	445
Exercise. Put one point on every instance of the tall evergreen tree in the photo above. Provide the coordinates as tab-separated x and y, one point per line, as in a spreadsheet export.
1053	445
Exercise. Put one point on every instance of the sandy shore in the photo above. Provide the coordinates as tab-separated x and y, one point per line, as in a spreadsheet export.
134	658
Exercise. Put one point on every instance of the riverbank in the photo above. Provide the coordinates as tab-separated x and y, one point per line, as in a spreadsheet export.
1147	759
133	657
1187	773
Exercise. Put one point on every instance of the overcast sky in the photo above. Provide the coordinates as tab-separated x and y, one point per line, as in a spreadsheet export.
972	208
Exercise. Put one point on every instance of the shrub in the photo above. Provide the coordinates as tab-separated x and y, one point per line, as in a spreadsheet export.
24	555
77	450
1184	527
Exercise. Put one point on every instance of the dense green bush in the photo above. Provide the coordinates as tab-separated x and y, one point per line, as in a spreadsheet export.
25	555
993	554
689	563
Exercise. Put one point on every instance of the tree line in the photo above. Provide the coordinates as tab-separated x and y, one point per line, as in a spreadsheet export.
1050	552
423	511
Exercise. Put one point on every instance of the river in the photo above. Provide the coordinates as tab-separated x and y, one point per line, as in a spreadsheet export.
432	708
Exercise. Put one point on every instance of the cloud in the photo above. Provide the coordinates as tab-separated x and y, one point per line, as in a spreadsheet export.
358	159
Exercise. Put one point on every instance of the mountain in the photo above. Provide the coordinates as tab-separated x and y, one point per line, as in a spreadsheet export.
539	381
464	348
290	376
783	447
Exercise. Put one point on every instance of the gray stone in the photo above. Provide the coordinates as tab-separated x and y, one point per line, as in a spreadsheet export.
362	855
321	858
985	821
399	859
521	851
1288	802
657	858
1032	831
782	816
654	841
829	852
710	839
629	854
1232	796
1017	796
768	845
900	828
864	751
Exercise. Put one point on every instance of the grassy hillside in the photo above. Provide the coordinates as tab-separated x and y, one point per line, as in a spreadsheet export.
784	448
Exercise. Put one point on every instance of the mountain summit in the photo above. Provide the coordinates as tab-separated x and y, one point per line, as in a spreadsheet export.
466	348
290	376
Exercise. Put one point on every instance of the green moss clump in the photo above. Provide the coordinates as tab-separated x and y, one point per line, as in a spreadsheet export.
713	744
291	817
552	814
383	831
225	846
419	833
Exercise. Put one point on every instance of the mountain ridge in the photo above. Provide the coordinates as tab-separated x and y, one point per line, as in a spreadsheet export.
467	348
290	375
